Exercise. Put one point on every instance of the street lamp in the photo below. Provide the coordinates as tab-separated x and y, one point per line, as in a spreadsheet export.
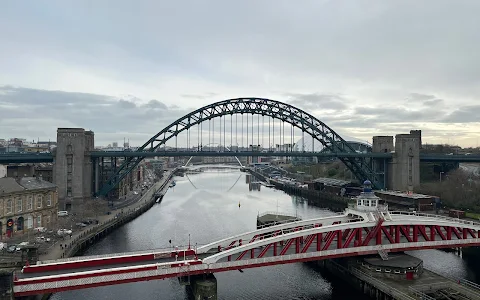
441	176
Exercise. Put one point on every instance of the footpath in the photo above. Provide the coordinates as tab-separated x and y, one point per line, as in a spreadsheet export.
64	248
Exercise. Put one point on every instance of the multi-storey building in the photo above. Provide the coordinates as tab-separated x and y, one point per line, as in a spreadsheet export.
26	203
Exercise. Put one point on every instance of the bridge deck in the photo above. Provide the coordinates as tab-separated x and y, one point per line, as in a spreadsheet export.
270	246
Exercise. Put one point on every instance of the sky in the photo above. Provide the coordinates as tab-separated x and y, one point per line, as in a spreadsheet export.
127	69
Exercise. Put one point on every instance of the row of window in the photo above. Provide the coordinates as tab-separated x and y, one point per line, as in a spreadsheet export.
386	270
17	204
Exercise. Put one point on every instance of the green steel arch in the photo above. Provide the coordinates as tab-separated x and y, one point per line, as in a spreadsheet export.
360	167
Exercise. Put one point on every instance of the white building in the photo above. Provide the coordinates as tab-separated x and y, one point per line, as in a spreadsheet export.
3	171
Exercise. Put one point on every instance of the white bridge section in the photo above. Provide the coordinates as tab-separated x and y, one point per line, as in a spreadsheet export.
218	262
397	218
284	228
163	271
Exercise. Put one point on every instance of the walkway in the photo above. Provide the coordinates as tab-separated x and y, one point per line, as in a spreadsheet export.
56	252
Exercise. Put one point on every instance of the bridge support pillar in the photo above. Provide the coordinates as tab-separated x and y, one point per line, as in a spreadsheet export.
6	284
73	167
383	144
406	161
203	287
402	173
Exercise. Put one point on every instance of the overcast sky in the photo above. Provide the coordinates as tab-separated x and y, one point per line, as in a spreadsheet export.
128	68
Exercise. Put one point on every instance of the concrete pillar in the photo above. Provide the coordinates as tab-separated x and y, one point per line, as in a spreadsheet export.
73	168
406	162
204	287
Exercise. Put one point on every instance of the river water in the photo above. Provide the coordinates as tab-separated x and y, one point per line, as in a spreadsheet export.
206	207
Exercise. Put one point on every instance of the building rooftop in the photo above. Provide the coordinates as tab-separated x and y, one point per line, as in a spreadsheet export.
404	194
332	181
395	261
34	183
9	185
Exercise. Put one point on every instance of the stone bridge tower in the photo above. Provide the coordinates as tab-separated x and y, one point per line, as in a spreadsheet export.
403	171
73	167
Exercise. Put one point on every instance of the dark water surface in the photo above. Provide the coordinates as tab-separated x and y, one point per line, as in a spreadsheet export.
208	210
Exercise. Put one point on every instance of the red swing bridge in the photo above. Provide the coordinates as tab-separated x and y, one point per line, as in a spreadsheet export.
365	227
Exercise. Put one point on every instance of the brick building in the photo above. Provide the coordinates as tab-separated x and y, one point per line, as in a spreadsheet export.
26	203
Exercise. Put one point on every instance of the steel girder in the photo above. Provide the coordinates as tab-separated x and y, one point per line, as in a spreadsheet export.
360	167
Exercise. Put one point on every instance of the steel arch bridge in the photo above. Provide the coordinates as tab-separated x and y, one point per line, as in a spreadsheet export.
308	124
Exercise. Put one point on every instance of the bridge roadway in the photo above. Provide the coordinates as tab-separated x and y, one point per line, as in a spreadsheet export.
48	157
350	234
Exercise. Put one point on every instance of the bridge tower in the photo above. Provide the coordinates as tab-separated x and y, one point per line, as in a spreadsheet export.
73	167
402	172
383	144
406	161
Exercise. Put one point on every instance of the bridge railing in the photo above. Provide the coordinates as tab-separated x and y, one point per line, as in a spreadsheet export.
279	213
397	294
468	291
456	220
79	258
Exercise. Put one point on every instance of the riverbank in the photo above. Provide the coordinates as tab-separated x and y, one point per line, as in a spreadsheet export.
316	197
80	241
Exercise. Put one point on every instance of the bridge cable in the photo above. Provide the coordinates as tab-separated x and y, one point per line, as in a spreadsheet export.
239	176
190	181
224	119
258	129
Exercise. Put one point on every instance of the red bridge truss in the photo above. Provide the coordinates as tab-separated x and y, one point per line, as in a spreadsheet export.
350	234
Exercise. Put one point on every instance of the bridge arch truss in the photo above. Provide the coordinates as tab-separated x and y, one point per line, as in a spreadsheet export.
308	124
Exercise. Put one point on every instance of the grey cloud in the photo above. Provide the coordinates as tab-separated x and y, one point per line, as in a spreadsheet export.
126	104
400	114
38	113
465	114
317	101
156	104
199	96
421	97
434	102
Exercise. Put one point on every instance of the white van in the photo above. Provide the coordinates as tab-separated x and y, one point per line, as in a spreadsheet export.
62	213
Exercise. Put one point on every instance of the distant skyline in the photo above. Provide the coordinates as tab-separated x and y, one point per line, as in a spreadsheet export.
128	69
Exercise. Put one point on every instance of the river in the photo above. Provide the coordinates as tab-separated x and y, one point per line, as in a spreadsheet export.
206	207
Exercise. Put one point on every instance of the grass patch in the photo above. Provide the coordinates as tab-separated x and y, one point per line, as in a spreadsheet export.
472	215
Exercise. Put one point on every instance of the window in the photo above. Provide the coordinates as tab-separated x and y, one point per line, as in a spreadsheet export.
47	220
39	221
69	192
49	199
9	206
30	222
30	202
19	203
39	201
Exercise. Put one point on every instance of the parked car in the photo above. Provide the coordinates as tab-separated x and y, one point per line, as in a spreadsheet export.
12	248
64	232
41	229
42	239
62	213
